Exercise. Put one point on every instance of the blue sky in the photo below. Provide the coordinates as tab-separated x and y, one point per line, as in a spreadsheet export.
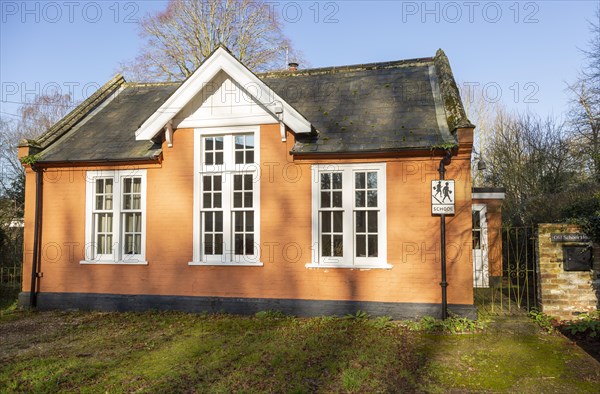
521	53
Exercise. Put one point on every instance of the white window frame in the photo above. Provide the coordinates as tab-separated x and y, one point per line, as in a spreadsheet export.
228	170
117	256
349	259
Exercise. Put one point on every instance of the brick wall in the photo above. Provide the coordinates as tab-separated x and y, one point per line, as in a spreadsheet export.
565	294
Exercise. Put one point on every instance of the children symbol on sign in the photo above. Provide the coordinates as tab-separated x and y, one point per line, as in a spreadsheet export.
447	192
438	189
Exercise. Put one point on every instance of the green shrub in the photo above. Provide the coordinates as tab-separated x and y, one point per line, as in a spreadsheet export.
586	323
452	325
542	320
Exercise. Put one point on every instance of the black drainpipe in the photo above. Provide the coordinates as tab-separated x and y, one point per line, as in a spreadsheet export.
36	235
444	284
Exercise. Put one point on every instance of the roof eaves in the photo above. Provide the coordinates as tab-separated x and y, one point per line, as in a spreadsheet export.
80	112
455	112
432	149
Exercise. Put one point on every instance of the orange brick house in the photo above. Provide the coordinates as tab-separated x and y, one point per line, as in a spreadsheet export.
305	191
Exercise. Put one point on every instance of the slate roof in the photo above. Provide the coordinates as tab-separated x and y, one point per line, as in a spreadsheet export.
392	106
109	134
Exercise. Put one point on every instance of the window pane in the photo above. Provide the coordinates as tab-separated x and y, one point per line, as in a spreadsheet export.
237	182
138	222
219	158
239	157
239	243
248	182
359	199
208	221
137	185
239	142
206	183
99	202
100	244
372	180
217	200
219	143
127	201
326	245
129	222
219	221
325	202
129	247
250	221
326	221
208	244
108	186
217	183
476	239
127	185
361	246
372	198
208	144
138	244
249	244
359	180
476	220
250	141
208	158
108	202
373	221
337	180
338	221
248	200
137	201
249	156
337	199
338	246
104	223
325	181
239	221
99	186
372	245
207	200
360	221
218	245
237	199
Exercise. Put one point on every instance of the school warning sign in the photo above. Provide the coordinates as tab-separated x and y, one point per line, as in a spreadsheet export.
442	197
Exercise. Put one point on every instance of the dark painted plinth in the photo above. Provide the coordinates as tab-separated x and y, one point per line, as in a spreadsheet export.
241	306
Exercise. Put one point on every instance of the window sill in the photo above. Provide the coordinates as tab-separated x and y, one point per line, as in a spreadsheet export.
92	262
357	267
225	264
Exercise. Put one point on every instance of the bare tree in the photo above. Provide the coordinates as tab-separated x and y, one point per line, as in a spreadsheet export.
584	112
484	114
35	118
181	37
533	159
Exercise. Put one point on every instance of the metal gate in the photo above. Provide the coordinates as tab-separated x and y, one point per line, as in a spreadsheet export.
11	261
515	291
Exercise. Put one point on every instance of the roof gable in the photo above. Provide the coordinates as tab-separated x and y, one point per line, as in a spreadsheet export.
221	61
221	102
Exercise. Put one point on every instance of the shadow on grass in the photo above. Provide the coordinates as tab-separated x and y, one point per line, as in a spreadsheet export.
176	352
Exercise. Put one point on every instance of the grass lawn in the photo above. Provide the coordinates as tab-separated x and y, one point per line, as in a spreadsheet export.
176	352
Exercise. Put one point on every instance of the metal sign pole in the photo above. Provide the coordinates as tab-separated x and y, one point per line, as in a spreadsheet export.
443	283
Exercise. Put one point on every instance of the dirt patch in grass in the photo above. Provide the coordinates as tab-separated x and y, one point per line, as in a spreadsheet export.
176	352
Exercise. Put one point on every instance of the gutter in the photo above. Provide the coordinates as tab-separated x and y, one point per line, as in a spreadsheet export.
35	262
435	151
151	159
